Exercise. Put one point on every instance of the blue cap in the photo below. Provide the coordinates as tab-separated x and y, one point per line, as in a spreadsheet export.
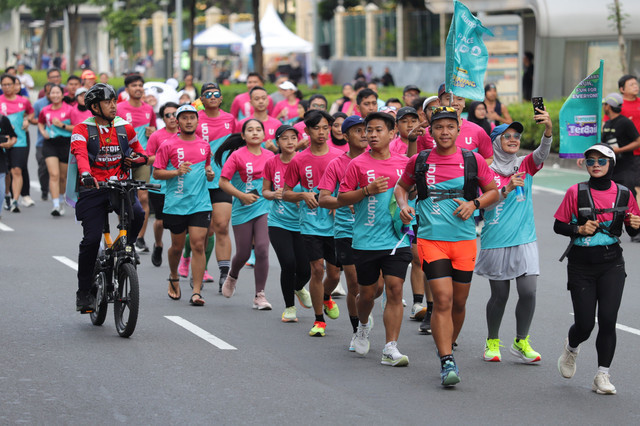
186	108
351	121
498	130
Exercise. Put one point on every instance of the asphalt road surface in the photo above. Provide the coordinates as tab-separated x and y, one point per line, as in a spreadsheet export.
226	363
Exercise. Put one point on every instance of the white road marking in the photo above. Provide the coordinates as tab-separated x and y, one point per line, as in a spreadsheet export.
203	334
66	261
551	190
34	184
623	328
5	228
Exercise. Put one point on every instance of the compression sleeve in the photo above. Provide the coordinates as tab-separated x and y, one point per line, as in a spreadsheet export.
567	229
542	151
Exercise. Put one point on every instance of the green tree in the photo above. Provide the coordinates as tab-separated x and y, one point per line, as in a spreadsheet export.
122	21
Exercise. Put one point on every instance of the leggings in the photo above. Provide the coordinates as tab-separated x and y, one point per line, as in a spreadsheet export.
295	270
254	230
598	285
526	285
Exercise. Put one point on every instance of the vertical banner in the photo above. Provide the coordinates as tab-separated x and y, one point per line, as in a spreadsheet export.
466	54
581	116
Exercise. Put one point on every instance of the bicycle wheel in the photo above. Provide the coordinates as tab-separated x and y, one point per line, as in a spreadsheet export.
125	304
100	292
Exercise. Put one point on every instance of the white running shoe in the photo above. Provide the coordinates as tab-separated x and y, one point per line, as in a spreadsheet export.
260	302
26	201
289	314
339	290
304	297
55	212
361	344
392	356
567	361
352	343
417	312
602	384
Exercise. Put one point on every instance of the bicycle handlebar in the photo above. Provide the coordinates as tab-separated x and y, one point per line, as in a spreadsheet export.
127	184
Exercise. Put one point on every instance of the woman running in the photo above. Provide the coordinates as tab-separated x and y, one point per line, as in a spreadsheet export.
336	138
241	177
54	124
478	115
284	226
592	214
287	109
508	241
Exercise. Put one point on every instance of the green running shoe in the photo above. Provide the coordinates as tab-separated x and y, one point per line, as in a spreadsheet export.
523	350
492	350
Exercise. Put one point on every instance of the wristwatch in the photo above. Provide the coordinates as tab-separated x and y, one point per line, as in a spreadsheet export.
476	203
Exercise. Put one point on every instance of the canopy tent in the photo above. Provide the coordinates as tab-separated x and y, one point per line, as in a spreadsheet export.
276	37
214	36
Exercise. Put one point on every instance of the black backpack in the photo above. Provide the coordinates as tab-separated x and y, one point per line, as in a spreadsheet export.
470	188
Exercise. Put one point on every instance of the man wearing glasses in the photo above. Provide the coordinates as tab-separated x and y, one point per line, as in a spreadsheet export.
446	238
53	76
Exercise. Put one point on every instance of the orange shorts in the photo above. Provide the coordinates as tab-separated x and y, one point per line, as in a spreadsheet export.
461	253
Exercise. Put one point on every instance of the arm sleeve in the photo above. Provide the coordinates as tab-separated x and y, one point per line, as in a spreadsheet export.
542	151
567	229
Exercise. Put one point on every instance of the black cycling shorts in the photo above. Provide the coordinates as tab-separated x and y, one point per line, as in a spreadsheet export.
217	195
369	264
177	223
344	251
57	147
157	204
320	248
18	157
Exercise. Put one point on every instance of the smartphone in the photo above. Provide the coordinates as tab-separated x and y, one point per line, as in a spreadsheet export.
253	191
537	103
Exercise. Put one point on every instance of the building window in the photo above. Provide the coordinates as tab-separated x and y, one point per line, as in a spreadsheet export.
422	33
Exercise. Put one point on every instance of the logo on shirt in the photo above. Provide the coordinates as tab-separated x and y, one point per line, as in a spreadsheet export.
128	117
4	109
180	186
371	201
203	151
271	131
249	183
431	183
276	180
308	174
205	132
468	140
148	115
226	126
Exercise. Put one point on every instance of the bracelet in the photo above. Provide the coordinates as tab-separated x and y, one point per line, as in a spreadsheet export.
365	191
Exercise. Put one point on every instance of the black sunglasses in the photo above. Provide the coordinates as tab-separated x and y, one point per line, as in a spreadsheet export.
601	162
208	95
170	114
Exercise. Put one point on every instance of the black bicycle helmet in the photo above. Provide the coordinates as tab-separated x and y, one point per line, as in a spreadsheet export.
99	92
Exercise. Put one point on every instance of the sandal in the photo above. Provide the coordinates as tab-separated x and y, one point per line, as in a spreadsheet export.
174	288
197	302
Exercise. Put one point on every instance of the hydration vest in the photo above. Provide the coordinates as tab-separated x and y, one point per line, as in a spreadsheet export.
93	144
588	211
470	188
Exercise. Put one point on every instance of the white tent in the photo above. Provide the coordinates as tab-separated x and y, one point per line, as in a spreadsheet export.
276	37
214	36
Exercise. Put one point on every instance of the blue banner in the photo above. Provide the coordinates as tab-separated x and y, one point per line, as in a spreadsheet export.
466	54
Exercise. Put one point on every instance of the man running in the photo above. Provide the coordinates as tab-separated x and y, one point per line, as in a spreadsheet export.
447	197
259	102
241	107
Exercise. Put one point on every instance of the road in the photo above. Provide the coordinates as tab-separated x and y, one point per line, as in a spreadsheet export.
59	369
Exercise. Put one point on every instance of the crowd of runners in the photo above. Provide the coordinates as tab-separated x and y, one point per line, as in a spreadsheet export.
364	187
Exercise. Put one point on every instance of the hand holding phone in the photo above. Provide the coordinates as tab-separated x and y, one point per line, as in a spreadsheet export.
538	104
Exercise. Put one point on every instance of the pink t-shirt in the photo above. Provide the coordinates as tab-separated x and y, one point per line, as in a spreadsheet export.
307	169
137	116
156	139
19	103
300	128
78	116
601	199
398	147
343	148
284	104
471	137
241	106
270	127
48	114
214	128
345	108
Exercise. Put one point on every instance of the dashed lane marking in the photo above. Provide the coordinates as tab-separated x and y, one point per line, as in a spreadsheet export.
624	328
66	261
5	228
201	333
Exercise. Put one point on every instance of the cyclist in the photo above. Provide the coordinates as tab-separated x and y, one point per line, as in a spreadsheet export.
101	145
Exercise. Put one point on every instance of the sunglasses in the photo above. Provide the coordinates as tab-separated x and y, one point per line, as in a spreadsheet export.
443	109
318	106
209	95
388	108
601	162
514	136
170	114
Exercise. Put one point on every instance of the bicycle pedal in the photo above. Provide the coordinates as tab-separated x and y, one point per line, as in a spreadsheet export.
86	311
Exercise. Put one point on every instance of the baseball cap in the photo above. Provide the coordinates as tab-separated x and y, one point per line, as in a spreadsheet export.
498	130
287	85
81	90
613	99
442	89
280	130
427	101
87	75
410	87
210	86
351	121
404	111
186	108
444	112
602	149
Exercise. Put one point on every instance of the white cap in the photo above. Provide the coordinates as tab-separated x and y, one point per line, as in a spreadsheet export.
427	101
287	85
602	149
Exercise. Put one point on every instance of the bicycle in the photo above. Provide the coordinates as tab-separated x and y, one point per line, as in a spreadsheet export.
117	259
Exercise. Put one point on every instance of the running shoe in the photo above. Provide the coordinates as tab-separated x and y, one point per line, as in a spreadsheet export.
449	374
62	210
404	303
27	201
352	343
392	356
523	350
223	278
156	255
361	344
602	384
14	207
260	302
425	325
331	309
252	259
289	314
229	286
183	266
304	297
318	329
339	290
141	246
7	202
492	350
207	278
55	212
84	302
418	312
567	361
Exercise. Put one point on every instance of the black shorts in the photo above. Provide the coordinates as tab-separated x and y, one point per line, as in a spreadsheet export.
320	248
344	252
369	263
157	204
217	195
57	147
177	223
18	157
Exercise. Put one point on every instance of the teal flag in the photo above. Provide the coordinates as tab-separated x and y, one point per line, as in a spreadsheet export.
466	54
581	116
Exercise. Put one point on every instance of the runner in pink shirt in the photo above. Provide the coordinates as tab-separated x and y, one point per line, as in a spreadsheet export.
80	111
287	109
259	99
241	106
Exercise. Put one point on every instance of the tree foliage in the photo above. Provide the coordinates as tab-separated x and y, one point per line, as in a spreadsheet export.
121	22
